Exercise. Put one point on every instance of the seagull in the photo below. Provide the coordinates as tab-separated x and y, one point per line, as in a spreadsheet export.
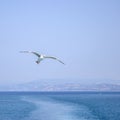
41	57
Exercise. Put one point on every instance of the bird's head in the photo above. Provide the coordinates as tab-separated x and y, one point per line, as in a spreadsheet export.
37	62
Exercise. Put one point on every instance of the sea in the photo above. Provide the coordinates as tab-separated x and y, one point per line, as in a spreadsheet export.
59	105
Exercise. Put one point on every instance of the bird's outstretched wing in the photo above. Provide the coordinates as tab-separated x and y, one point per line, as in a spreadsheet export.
54	58
35	53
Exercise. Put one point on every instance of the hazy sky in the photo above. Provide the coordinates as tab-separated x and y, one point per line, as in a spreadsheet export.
85	34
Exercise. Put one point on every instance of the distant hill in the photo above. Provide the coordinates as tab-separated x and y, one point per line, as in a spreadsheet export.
66	86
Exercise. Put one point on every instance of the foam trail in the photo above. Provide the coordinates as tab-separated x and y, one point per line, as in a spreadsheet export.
48	109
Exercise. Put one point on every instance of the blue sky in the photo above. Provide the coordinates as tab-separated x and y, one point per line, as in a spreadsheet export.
82	33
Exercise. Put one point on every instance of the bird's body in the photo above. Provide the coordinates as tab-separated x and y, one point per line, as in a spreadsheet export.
41	57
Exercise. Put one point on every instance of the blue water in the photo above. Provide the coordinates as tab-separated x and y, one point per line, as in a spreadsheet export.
59	106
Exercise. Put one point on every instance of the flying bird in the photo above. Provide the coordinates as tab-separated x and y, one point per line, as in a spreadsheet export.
41	57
